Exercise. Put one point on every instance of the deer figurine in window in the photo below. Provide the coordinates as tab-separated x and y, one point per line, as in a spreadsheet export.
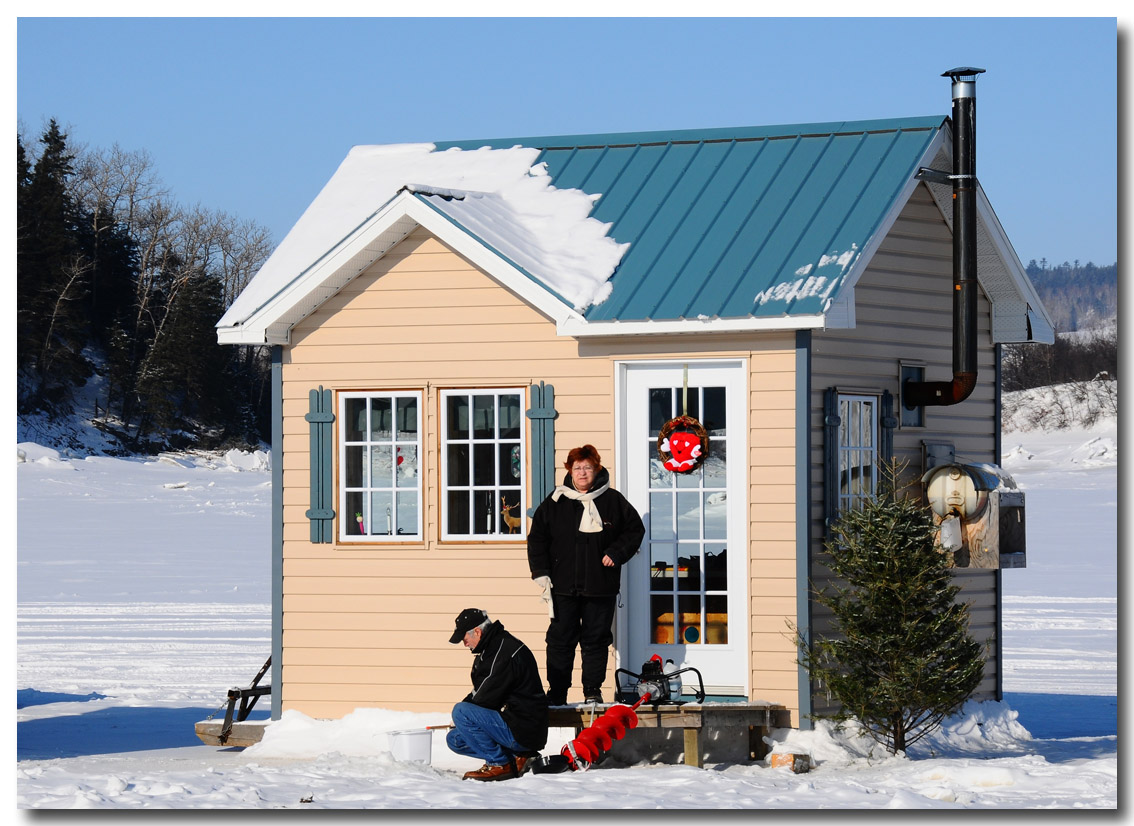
513	522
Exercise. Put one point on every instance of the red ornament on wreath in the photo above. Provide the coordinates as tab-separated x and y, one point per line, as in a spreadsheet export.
683	444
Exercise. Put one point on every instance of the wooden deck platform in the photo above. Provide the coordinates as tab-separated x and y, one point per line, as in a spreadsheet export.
242	735
713	732
717	732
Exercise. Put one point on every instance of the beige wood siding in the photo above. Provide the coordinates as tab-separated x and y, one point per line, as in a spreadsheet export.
904	310
368	625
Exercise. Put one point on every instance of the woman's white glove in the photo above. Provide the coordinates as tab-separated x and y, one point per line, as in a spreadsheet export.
544	582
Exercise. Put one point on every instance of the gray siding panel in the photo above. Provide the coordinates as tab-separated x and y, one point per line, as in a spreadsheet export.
904	311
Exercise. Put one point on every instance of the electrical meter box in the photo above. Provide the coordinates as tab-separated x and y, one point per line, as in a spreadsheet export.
979	512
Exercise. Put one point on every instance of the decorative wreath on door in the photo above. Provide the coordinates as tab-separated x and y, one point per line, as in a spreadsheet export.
683	444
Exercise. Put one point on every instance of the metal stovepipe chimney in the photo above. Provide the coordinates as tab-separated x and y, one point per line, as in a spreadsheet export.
965	286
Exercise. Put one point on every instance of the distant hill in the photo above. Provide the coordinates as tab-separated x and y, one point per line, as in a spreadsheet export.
1077	297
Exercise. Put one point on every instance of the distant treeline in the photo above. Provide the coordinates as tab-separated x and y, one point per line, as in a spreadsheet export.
1083	303
114	277
1077	297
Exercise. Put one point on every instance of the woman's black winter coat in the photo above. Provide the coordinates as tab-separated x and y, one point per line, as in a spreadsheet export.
573	560
505	678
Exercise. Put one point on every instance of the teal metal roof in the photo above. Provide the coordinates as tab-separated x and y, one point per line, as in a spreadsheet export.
734	223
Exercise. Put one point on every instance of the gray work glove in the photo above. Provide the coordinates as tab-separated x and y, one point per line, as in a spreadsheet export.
544	582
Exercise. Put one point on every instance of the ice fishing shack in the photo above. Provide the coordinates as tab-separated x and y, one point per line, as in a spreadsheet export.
446	321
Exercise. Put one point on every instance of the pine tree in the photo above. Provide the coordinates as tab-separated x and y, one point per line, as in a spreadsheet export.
899	659
52	278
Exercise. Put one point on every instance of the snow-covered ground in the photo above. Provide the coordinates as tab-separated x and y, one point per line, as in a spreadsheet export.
142	596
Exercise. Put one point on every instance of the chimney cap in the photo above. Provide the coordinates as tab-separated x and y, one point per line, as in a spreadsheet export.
961	71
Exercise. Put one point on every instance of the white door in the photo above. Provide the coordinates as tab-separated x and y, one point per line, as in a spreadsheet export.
687	588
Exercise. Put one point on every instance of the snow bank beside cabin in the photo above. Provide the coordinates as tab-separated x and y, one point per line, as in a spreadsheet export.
565	248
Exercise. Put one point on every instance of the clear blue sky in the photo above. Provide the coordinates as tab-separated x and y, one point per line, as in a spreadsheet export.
253	115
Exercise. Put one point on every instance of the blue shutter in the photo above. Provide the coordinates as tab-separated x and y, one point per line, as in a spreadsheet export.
830	457
887	422
320	418
542	414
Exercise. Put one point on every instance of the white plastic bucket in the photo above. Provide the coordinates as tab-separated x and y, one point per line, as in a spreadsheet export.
413	746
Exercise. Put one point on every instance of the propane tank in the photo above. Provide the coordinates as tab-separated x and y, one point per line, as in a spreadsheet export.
674	682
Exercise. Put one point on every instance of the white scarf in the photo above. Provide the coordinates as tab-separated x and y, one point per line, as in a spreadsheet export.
591	521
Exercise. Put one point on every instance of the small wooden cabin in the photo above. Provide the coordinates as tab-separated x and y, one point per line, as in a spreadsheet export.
447	321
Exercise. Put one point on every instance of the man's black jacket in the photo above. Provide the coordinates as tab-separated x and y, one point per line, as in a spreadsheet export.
505	678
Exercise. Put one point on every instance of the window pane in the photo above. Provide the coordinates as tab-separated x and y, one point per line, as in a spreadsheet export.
407	513
659	476
354	516
511	416
692	479
661	516
382	512
458	512
458	460
406	474
688	516
689	611
354	472
485	506
661	409
511	512
381	466
510	465
716	515
661	619
457	417
662	555
407	420
689	568
716	619
381	419
484	417
715	419
484	472
355	424
716	465
692	406
716	567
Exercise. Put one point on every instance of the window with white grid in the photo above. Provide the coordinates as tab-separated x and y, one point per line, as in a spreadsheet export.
482	464
380	467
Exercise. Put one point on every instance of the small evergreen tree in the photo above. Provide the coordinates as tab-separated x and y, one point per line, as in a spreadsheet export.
899	659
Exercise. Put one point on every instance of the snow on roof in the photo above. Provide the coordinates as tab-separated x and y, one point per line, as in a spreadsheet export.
499	195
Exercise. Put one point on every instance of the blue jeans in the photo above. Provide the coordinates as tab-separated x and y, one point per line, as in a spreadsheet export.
482	733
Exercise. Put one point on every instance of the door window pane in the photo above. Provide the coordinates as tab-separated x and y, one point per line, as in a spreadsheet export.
716	619
688	515
689	630
716	567
661	567
716	515
661	619
661	517
693	509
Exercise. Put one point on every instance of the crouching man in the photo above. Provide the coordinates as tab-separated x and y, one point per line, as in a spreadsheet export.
504	720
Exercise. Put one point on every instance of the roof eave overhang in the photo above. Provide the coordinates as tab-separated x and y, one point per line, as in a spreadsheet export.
272	322
579	328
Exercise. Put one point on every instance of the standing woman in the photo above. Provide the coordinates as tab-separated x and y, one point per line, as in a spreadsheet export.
580	537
